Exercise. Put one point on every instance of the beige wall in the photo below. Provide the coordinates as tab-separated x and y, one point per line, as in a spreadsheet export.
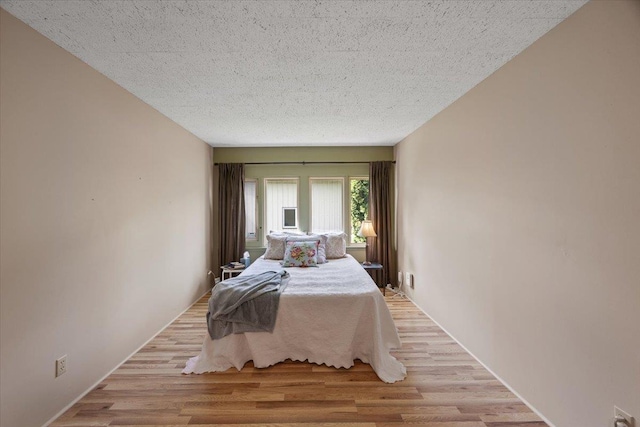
104	221
303	172
519	214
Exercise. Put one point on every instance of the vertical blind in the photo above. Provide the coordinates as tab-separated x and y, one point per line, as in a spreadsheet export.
250	193
279	194
327	213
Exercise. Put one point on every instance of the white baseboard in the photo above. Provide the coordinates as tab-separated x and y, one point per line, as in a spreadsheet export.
511	389
84	393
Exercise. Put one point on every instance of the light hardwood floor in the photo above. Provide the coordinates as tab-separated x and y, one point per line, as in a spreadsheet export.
445	387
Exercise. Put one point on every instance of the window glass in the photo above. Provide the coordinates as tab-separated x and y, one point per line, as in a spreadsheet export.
250	204
359	206
279	194
327	207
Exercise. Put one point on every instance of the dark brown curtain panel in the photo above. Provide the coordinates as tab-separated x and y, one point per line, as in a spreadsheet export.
381	249
231	215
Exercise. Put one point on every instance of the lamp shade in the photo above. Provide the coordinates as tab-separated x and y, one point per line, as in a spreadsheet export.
366	229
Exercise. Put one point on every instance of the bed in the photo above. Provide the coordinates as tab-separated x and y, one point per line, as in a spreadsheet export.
331	314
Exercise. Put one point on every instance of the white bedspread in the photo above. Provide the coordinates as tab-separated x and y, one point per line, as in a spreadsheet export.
332	314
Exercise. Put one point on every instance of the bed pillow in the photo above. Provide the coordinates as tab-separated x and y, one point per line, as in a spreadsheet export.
322	244
301	254
275	246
336	246
285	233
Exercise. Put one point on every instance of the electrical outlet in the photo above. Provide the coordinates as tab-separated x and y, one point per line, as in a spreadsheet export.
622	419
61	365
408	279
399	278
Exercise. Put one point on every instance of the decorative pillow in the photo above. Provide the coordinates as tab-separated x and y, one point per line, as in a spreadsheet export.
336	246
301	254
275	246
322	243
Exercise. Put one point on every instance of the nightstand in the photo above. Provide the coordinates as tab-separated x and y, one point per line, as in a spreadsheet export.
375	268
230	272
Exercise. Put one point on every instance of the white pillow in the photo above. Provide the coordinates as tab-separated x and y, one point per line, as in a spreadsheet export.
336	246
285	233
275	246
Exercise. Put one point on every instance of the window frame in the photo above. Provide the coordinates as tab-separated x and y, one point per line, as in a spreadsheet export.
255	213
356	178
265	181
293	210
346	213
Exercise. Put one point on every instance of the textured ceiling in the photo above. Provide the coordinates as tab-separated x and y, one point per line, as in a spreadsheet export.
279	73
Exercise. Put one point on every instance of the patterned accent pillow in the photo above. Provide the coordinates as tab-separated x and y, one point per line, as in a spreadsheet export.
275	246
322	243
336	246
301	254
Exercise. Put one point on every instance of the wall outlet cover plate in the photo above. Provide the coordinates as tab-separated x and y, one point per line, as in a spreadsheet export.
61	365
617	412
408	279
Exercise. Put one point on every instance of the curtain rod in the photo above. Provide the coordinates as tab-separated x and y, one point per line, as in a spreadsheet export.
303	163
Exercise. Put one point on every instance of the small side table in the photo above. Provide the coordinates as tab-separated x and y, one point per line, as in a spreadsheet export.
230	272
376	268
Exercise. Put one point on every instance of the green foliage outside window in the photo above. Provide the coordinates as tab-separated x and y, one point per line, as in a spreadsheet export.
359	207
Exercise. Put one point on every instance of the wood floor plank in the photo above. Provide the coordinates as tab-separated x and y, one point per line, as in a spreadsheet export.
445	387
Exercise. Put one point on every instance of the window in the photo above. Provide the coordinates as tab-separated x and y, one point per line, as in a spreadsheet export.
279	193
327	212
331	203
250	208
289	217
359	207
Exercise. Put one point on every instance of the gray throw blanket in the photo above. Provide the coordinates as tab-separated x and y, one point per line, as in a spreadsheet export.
245	304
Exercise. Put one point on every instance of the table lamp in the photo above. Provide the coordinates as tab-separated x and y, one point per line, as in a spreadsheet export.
366	231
